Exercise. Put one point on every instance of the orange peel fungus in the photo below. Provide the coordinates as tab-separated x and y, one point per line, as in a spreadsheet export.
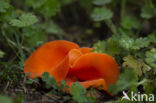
65	60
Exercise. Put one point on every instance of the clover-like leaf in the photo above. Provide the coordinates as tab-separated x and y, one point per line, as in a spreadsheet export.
151	57
24	20
49	81
140	43
126	42
138	66
135	44
46	7
78	93
110	47
102	13
100	47
50	8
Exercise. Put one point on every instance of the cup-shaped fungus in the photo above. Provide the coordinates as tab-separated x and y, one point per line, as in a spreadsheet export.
65	60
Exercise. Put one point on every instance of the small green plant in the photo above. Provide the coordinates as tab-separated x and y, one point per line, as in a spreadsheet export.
79	94
53	85
24	20
151	57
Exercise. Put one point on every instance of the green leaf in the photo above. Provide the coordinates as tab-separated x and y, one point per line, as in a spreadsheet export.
34	36
126	80
46	7
49	81
45	76
100	47
24	20
138	66
123	31
78	93
63	85
130	22
4	5
6	16
141	43
110	47
135	44
126	42
51	27
35	3
1	54
5	99
151	57
152	38
50	8
101	2
148	12
102	13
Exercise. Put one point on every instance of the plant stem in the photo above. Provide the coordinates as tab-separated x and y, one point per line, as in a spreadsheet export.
123	8
111	26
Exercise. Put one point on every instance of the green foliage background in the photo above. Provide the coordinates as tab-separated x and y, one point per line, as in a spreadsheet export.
124	29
